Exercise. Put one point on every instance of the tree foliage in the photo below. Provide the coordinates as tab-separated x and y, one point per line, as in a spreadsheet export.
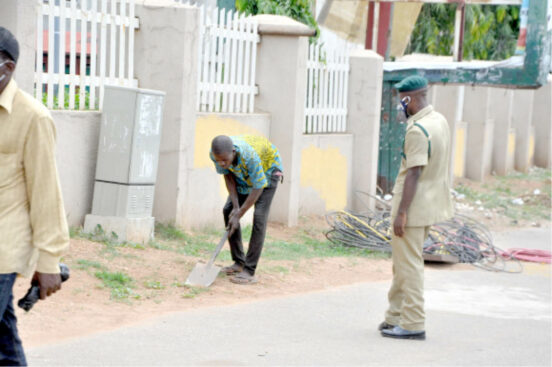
490	32
300	10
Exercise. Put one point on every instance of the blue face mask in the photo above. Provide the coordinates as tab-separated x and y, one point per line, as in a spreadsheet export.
404	104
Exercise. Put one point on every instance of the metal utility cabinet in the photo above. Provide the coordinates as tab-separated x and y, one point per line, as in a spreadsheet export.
126	169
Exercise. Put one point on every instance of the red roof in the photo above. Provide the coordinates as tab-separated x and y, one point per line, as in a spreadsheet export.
68	42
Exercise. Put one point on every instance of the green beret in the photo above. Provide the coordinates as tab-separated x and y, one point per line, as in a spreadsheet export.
411	83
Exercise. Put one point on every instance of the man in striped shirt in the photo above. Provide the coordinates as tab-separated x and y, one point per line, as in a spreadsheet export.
252	167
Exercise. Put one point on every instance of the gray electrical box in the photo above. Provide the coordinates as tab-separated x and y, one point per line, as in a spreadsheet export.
130	136
126	169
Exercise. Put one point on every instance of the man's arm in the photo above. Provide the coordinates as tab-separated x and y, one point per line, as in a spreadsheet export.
235	216
47	215
230	182
409	190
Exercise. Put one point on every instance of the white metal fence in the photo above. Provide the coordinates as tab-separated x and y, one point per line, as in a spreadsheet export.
83	45
227	59
327	84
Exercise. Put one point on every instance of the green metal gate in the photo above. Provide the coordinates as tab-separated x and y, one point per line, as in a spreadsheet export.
532	72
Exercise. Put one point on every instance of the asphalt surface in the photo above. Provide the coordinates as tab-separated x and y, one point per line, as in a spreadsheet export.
474	318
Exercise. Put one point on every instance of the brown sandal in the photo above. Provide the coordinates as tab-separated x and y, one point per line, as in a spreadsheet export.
233	269
244	278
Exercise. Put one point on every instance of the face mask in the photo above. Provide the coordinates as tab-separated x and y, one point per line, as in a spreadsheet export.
3	76
404	104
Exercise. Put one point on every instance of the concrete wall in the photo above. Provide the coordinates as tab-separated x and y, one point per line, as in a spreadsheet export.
542	122
326	173
165	59
522	118
77	148
19	17
364	114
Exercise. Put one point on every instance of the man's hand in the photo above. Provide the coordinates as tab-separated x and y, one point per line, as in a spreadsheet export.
398	225
48	283
233	224
234	212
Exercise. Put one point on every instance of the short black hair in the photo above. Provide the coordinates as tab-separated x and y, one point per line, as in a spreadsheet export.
222	144
9	45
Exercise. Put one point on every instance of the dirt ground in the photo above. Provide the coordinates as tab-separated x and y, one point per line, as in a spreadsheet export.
86	305
83	306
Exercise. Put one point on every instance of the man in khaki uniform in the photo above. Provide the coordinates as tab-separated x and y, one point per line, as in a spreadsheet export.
33	229
421	198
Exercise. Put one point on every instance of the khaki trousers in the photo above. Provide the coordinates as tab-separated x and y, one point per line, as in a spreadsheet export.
406	295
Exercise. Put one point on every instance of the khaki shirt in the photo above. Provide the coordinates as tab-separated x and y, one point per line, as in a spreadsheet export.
432	202
33	228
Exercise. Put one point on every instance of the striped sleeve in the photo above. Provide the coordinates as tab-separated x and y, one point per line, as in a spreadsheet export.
256	172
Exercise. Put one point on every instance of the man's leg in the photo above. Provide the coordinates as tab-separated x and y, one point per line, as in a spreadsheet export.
11	350
395	294
410	269
260	217
235	240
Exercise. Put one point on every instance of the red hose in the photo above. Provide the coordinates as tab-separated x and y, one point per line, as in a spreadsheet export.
524	254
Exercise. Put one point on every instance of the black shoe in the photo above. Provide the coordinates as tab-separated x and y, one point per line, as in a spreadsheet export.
385	326
399	333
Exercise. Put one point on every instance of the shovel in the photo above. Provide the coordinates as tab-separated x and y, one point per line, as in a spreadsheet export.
205	274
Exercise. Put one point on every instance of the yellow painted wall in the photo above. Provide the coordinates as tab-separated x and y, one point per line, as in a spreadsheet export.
207	128
531	150
325	170
511	144
459	153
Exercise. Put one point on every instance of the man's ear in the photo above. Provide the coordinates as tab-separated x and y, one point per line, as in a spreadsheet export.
11	66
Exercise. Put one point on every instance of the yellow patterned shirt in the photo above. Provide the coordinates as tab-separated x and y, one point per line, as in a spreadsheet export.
257	159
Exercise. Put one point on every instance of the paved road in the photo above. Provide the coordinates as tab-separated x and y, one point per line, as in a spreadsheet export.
474	318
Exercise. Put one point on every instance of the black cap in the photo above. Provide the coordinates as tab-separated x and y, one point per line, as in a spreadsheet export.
8	44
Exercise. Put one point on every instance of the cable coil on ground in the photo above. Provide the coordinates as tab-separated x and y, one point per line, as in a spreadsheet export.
469	241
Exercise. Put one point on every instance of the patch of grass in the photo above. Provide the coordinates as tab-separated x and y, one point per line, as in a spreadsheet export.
308	247
179	284
119	283
110	240
154	284
84	264
168	231
500	195
193	291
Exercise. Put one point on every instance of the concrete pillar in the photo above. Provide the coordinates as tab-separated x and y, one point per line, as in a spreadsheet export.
479	147
166	49
479	150
282	80
542	122
364	109
19	16
522	117
503	100
449	101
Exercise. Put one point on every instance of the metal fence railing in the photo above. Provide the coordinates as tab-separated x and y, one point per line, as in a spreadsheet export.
83	45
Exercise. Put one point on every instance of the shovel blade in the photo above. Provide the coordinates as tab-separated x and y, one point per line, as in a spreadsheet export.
202	275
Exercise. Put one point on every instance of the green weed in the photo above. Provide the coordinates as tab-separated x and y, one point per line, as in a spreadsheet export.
83	264
153	284
193	291
119	283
